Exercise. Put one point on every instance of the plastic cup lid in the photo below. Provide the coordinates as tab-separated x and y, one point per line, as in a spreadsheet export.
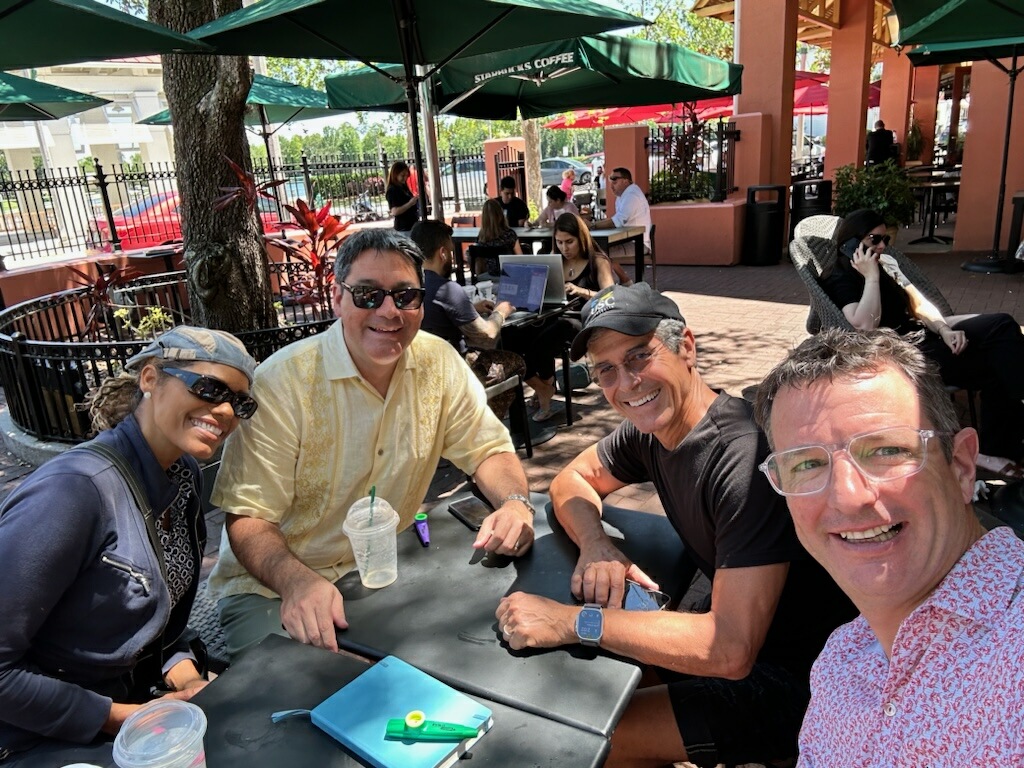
165	732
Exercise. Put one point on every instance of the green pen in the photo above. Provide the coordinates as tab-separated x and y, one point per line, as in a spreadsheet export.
416	727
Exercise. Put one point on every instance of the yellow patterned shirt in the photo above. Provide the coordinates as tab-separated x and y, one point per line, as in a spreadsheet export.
322	436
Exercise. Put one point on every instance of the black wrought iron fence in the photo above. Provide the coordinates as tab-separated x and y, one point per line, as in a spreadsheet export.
55	349
692	162
68	212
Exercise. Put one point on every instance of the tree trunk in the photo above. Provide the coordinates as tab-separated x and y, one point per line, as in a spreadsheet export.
225	257
531	137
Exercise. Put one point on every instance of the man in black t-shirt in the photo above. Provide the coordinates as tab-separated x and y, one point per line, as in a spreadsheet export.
517	212
735	676
879	145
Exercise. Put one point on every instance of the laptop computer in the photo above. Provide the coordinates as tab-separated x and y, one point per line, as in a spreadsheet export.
554	292
522	286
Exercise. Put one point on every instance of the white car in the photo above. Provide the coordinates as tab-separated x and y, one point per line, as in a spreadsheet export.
471	177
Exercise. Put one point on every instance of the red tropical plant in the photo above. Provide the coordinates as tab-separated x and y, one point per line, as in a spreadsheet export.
248	189
99	292
323	235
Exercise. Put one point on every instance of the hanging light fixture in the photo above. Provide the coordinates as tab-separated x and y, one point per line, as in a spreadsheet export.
892	23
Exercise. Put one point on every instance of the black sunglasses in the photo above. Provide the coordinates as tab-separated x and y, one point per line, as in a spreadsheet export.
214	391
368	297
876	239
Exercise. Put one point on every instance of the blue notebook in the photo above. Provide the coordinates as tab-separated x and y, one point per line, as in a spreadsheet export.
357	715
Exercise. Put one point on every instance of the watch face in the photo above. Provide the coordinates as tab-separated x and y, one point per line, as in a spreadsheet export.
590	624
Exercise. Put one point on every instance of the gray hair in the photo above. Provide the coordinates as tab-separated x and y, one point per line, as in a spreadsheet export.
838	354
378	240
670	333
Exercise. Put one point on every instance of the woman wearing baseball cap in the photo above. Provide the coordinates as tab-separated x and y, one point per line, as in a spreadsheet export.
101	547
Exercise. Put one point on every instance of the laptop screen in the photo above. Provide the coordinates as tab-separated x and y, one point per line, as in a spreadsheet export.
522	285
554	292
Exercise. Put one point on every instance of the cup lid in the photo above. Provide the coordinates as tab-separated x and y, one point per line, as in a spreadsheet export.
160	734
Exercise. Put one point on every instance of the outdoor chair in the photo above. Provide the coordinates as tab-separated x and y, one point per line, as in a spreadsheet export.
814	256
821	225
483	259
463	221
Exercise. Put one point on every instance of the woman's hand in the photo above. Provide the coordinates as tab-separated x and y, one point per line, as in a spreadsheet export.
865	261
572	290
955	340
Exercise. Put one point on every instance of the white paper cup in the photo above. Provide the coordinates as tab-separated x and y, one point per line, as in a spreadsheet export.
470	291
164	734
374	542
485	289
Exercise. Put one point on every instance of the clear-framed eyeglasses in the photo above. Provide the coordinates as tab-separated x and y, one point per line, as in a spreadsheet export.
881	455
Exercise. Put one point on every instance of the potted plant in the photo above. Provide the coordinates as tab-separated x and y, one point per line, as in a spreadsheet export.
884	188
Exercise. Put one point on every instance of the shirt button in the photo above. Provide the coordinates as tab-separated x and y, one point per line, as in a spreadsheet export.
889	709
380	451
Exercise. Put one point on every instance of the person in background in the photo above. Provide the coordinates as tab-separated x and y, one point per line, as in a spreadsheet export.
979	352
879	478
880	145
557	205
369	402
515	209
599	177
447	310
97	591
631	210
402	203
568	179
733	673
495	234
585	271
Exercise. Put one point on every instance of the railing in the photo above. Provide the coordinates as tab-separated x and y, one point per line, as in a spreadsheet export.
71	212
688	162
53	350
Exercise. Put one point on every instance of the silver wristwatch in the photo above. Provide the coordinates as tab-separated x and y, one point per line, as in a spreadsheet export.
524	499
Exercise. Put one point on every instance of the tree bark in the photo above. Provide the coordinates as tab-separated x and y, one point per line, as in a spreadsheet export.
225	257
531	137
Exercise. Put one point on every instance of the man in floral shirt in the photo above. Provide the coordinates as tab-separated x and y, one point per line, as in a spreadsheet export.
879	479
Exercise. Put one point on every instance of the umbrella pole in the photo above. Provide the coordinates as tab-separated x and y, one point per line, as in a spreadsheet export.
417	150
265	132
429	114
996	264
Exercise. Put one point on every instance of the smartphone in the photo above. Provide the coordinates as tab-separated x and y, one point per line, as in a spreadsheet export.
640	598
470	511
850	247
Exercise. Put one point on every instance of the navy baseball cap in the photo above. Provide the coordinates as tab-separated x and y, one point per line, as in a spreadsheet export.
634	310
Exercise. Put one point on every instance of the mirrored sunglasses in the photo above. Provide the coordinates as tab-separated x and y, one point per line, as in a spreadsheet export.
876	239
214	391
368	297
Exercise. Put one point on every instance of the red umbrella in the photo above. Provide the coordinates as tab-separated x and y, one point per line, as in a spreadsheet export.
598	118
813	98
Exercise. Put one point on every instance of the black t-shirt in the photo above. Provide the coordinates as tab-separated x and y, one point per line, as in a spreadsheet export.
398	195
728	516
846	286
516	210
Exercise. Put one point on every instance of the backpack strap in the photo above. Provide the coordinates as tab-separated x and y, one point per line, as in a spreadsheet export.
131	481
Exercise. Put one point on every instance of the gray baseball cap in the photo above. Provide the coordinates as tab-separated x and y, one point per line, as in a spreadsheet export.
189	344
634	310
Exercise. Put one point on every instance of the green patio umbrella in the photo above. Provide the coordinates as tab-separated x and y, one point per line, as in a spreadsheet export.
539	80
25	99
421	35
956	21
991	50
38	33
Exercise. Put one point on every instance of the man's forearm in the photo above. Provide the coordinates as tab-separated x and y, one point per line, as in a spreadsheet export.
262	550
500	476
577	506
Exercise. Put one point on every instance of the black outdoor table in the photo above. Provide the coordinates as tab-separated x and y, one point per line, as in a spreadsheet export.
280	674
439	615
931	190
605	238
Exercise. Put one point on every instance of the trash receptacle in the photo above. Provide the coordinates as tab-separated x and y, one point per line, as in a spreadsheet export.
766	212
812	197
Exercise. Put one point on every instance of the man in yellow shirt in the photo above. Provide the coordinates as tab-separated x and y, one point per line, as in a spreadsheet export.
369	402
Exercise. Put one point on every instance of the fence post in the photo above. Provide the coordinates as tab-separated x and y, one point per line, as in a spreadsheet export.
108	211
384	164
307	179
455	180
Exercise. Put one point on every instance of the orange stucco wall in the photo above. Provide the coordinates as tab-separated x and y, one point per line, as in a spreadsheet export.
765	34
699	233
848	86
753	151
897	84
983	153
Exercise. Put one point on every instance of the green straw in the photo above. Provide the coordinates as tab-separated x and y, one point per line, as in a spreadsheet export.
373	495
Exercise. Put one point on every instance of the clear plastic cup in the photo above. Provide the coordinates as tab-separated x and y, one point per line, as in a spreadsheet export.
374	541
485	289
164	734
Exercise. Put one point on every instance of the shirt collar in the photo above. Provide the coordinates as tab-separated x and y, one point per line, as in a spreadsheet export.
338	362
